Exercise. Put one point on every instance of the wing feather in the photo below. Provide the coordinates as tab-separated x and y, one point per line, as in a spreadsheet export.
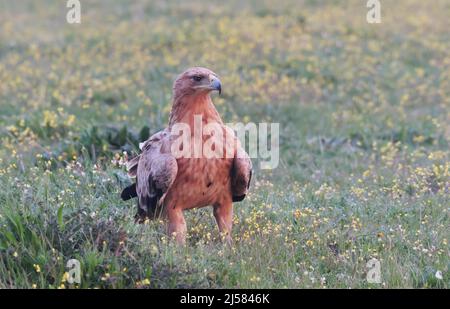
155	173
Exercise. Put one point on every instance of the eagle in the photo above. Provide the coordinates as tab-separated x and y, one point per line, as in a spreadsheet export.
167	184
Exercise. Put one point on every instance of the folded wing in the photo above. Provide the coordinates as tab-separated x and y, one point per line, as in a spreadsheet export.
241	175
155	170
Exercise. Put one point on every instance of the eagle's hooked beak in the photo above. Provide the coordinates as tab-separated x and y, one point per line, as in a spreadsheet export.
215	84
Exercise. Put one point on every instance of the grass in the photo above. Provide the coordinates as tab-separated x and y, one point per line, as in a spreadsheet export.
363	113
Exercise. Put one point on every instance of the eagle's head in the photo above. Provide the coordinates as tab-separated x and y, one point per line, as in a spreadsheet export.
195	81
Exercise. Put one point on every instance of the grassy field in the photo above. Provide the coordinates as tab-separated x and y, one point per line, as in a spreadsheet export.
364	119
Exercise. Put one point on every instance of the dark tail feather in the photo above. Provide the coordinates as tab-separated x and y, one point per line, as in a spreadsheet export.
129	192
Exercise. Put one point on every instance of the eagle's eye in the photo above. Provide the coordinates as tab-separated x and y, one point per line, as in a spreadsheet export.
197	78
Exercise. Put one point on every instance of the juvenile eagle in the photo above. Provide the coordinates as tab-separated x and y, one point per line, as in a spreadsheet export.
167	184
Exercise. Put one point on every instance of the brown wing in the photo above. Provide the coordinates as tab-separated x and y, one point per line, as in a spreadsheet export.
156	170
241	175
133	163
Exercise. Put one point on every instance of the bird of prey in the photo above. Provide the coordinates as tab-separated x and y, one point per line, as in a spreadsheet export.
167	184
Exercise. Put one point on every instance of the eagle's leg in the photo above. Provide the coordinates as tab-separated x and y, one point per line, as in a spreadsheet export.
177	224
223	213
